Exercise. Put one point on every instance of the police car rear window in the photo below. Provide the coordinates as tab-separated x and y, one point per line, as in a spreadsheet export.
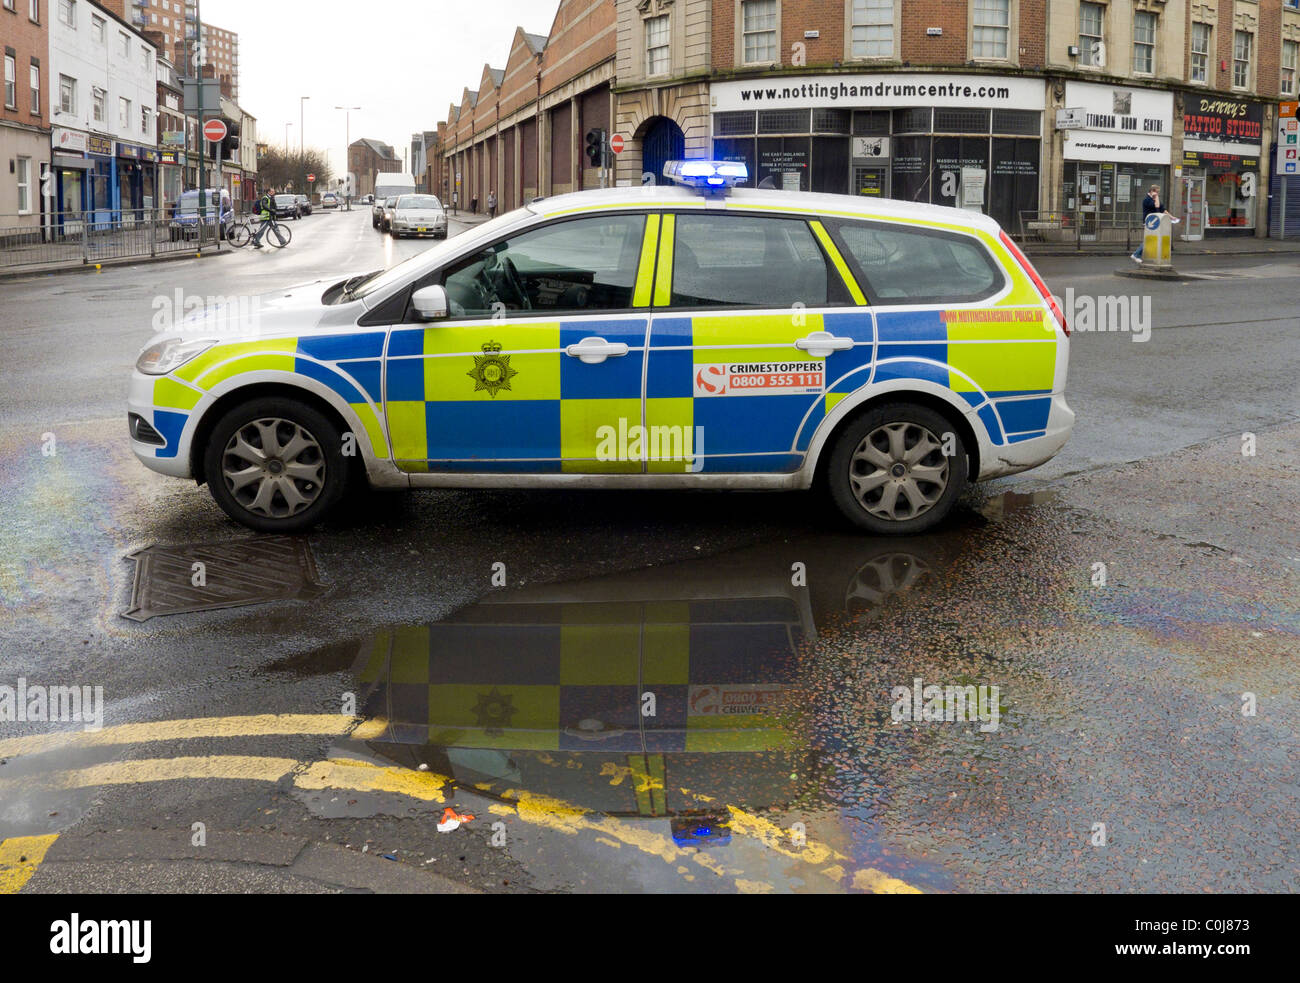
905	265
743	261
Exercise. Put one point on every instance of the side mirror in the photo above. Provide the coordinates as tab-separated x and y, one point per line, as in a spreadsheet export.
430	303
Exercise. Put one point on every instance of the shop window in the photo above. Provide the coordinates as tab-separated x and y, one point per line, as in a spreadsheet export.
871	122
1290	51
758	28
1200	61
991	28
1241	46
1022	122
912	120
961	121
784	121
832	121
1144	43
1092	50
910	168
783	162
872	29
739	261
908	265
733	124
830	165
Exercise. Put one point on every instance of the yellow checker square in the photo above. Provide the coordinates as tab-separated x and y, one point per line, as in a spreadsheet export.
374	432
221	353
678	414
600	655
407	423
742	732
170	394
666	654
592	429
753	329
1005	367
1020	324
489	715
409	662
833	400
492	361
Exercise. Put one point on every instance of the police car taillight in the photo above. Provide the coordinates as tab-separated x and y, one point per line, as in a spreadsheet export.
1028	267
709	176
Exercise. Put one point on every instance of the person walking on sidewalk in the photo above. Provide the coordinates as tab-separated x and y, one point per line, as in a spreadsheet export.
1151	205
492	204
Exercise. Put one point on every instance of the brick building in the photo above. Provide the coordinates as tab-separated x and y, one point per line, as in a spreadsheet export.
366	158
24	116
1016	107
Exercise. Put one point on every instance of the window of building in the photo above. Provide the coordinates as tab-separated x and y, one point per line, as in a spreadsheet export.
992	28
1290	55
123	44
1200	63
872	29
97	28
34	79
123	113
1144	43
740	261
99	106
657	50
146	59
144	119
9	4
11	82
24	185
1241	43
1092	50
68	13
34	10
758	26
68	95
913	266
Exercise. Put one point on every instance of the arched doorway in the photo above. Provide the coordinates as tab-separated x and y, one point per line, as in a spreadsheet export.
663	141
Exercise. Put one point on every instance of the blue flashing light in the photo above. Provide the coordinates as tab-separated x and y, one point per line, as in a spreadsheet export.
707	175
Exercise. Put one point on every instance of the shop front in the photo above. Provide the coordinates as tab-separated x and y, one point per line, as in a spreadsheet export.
911	136
1222	143
1116	144
137	180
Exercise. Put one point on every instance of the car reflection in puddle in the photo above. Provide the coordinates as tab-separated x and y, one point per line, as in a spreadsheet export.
679	694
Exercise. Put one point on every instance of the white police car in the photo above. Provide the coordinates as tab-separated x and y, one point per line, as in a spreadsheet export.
696	336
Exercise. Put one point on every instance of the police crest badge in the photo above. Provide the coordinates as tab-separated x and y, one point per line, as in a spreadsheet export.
492	371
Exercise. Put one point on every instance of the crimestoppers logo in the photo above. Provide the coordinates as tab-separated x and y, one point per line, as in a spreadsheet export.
946	704
102	937
52	704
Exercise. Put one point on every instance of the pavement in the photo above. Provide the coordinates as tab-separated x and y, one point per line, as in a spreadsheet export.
1226	246
1134	601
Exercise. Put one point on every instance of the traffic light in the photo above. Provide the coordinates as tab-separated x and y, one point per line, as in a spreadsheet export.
596	148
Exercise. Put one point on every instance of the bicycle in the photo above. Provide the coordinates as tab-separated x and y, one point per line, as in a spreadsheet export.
277	235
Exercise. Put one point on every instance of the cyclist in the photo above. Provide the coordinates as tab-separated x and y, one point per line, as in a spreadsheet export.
266	213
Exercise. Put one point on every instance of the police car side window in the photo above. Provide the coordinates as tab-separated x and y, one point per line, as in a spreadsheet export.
744	261
581	265
906	265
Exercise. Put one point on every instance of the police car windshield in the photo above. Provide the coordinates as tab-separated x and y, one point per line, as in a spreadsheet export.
431	257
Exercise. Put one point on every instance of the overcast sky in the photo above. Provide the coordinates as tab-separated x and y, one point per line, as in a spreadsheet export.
401	61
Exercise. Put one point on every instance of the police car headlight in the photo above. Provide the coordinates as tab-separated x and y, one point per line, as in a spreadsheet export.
170	354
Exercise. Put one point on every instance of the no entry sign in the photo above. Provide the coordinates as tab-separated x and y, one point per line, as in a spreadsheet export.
616	143
214	130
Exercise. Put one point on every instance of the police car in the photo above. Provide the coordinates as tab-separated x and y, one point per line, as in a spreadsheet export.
699	335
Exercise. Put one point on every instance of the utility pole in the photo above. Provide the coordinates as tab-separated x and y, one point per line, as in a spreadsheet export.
347	149
302	139
198	60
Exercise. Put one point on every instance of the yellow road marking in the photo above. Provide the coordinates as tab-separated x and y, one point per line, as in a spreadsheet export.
19	858
362	776
261	725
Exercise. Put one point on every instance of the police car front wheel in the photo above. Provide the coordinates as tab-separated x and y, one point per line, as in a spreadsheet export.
275	465
897	469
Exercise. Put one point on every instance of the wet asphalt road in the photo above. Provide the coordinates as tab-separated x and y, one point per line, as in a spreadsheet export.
770	762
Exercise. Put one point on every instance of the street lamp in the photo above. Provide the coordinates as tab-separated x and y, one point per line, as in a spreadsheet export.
302	129
347	148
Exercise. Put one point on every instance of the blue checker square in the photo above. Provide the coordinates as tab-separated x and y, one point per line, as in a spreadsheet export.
472	654
614	378
671	375
1021	415
339	347
406	380
929	371
330	378
670	332
505	429
912	326
616	708
368	374
849	324
990	420
750	424
630	331
406	342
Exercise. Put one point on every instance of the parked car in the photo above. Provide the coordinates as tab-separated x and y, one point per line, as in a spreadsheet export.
304	204
418	215
185	218
286	206
329	200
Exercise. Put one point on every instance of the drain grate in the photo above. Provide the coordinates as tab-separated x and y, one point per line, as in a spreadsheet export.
257	571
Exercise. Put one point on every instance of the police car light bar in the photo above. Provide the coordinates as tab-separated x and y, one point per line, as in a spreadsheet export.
707	175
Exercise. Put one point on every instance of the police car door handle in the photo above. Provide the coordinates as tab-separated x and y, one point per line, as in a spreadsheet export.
820	344
593	351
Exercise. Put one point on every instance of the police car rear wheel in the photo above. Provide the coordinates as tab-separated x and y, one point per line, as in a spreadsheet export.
275	465
889	472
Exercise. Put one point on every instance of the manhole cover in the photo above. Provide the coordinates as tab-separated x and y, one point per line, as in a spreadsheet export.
180	579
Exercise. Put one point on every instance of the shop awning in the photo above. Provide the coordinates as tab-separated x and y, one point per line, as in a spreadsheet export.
67	163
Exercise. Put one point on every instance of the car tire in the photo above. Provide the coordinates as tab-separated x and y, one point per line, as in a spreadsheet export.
864	479
261	502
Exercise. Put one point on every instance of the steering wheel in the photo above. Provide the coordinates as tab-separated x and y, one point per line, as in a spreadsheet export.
516	283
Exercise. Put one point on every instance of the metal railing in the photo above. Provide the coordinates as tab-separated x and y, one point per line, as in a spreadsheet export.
1082	230
81	238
